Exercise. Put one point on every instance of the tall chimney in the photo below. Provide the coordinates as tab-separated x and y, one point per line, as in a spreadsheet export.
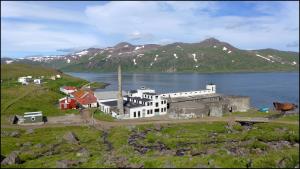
120	96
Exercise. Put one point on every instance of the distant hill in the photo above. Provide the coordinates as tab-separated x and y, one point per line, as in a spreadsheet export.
210	55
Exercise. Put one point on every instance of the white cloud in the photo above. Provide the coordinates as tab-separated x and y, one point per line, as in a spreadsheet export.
35	37
146	22
34	10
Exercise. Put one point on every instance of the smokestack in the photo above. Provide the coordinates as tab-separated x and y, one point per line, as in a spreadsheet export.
120	96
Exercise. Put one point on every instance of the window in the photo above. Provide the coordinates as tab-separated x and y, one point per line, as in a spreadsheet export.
156	97
151	97
156	104
147	103
151	111
162	102
156	110
161	110
151	103
32	118
134	114
165	109
148	111
139	114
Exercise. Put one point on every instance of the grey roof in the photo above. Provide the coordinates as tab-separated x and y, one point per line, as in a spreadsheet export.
126	104
103	95
140	99
132	91
150	93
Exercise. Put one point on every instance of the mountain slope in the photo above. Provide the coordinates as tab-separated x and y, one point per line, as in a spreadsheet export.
210	55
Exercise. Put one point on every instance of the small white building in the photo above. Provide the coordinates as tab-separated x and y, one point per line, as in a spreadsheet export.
68	89
37	81
58	76
23	80
52	78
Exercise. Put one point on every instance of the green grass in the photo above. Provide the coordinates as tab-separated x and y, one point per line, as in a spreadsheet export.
89	139
294	117
170	135
250	113
99	115
17	99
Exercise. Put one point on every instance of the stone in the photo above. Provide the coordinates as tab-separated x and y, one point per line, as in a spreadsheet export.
296	145
282	163
2	157
39	145
66	163
83	152
4	133
70	137
29	131
27	144
15	134
211	151
12	158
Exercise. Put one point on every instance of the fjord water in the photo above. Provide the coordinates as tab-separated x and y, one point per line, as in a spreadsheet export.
263	88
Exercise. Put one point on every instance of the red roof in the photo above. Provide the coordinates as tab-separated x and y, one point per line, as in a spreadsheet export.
70	88
85	97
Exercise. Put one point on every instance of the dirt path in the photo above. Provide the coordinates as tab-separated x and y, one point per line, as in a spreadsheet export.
75	120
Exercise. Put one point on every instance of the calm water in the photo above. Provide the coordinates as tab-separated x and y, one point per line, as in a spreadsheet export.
263	88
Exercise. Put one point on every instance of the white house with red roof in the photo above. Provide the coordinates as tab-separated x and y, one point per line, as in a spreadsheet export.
68	89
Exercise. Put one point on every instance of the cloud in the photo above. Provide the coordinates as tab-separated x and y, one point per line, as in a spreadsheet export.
43	26
136	35
33	10
36	37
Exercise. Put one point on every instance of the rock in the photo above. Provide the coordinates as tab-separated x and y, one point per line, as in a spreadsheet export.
211	151
83	152
296	145
70	137
121	162
39	145
2	157
66	163
15	134
29	131
12	158
157	127
19	144
282	163
27	144
4	133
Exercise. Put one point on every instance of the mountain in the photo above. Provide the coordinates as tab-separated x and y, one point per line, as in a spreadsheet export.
210	55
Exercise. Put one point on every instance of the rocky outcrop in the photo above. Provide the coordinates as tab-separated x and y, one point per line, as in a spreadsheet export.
12	158
70	137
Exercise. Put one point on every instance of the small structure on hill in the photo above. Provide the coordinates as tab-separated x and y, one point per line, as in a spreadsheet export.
37	81
85	98
29	118
68	89
24	80
52	78
67	103
58	76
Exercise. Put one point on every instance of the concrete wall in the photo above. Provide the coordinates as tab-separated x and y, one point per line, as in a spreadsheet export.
238	103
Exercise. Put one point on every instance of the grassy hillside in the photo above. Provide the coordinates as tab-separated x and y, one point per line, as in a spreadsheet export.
17	99
204	145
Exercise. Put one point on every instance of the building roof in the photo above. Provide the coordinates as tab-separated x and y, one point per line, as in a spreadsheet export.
104	95
84	97
147	93
70	88
132	91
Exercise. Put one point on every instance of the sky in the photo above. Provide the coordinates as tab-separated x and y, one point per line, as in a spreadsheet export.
56	27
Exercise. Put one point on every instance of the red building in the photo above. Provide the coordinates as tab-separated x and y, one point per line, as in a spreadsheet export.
67	103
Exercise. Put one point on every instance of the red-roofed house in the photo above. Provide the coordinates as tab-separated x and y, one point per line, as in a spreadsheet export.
68	89
85	98
67	103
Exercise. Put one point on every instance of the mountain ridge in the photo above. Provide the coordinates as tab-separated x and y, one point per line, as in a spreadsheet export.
209	55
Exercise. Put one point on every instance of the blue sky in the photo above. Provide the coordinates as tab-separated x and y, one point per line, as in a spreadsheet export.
43	28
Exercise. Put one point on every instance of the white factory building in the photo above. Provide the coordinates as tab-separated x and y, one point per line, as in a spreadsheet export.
143	102
137	104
